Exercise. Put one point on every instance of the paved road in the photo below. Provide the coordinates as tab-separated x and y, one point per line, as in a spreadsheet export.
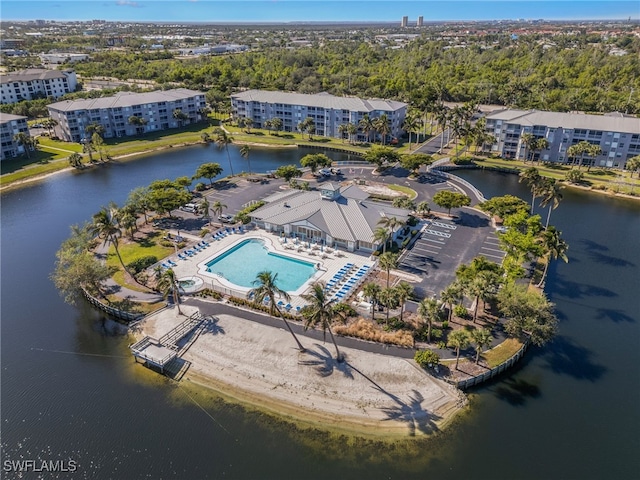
433	145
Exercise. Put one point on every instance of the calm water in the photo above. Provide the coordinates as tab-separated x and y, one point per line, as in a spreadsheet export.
242	263
71	391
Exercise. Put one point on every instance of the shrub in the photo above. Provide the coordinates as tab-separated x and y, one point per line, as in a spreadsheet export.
166	243
204	232
207	292
412	221
200	187
463	161
414	232
141	263
369	331
445	324
442	345
460	311
426	358
345	309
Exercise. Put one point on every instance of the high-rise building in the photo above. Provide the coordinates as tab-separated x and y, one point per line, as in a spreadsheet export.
420	21
405	22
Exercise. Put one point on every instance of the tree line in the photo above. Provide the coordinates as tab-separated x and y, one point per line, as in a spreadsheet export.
557	76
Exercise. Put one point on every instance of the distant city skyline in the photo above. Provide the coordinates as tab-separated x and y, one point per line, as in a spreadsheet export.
270	11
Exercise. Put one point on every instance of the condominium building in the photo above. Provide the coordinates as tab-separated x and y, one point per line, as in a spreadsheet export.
617	135
405	22
327	111
36	83
157	110
10	125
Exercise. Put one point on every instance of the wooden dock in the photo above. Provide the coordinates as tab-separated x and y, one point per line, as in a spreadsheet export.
165	353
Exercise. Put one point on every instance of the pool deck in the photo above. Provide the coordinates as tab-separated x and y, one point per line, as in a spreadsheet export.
330	260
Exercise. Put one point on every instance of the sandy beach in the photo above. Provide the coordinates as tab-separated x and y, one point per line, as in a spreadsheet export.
260	366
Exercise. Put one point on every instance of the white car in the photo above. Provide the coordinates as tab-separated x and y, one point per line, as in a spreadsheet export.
189	207
325	172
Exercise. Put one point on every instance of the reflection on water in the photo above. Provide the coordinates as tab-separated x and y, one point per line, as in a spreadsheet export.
71	390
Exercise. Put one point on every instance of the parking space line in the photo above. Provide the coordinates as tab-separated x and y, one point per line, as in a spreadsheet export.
431	252
444	225
426	249
492	249
433	240
437	233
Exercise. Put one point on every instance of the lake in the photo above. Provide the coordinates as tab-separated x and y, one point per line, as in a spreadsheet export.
70	389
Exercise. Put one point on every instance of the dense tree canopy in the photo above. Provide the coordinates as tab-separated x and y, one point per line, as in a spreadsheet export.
567	74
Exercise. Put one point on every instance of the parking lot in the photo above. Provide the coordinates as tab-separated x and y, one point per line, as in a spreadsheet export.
444	244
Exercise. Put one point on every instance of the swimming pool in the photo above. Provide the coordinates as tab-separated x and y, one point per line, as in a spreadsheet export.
241	264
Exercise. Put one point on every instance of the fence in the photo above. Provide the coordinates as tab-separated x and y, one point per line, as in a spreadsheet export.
114	312
455	178
470	382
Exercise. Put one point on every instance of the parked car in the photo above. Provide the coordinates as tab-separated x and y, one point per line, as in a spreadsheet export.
325	172
226	218
336	171
189	207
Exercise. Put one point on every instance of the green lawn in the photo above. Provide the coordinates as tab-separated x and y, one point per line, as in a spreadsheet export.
411	193
291	138
597	178
133	251
502	352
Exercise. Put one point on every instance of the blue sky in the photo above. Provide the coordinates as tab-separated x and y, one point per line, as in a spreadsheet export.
311	10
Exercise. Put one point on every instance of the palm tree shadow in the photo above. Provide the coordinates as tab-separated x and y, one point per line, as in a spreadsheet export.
211	326
409	412
324	363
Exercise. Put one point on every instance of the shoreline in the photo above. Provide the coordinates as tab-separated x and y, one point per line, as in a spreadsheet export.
257	366
132	157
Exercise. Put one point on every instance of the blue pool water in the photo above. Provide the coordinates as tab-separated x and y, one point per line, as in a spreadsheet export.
241	264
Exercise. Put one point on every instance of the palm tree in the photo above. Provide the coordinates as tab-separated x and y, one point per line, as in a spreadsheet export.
180	116
105	226
342	129
404	290
372	292
555	247
479	288
276	123
381	124
367	125
594	151
381	235
458	339
529	141
429	310
75	160
217	207
168	283
481	337
50	124
410	125
268	124
541	144
531	176
423	208
388	298
26	141
449	296
390	223
244	152
551	195
352	130
205	207
223	139
388	260
266	288
320	311
442	119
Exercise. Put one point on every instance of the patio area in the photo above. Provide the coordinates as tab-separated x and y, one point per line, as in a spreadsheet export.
343	271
